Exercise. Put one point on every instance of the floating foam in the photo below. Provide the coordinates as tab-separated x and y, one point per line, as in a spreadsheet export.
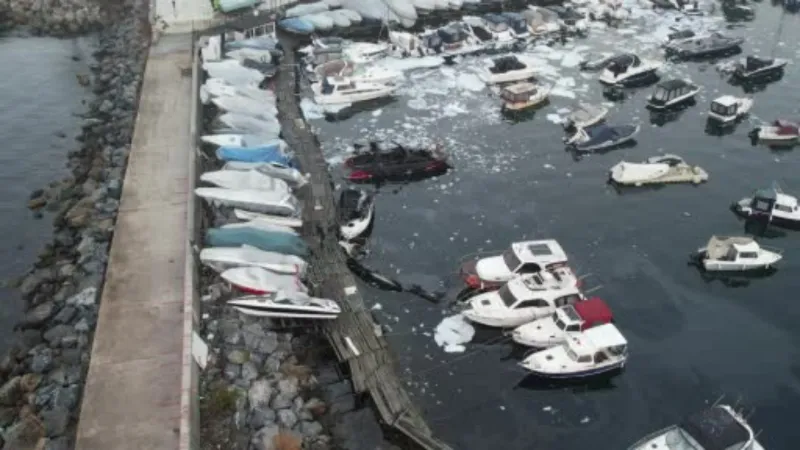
452	333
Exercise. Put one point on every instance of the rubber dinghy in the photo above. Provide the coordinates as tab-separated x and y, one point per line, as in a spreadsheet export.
243	140
267	154
268	241
295	305
247	106
249	124
233	72
252	200
255	280
217	87
273	169
249	179
224	258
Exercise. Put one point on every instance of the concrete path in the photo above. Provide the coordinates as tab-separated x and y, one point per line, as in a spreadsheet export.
132	397
184	16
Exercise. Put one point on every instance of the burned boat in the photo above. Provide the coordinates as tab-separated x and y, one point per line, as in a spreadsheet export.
396	163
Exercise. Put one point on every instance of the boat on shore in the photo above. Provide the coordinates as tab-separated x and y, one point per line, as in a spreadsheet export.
258	281
287	305
252	200
243	140
224	258
268	241
250	179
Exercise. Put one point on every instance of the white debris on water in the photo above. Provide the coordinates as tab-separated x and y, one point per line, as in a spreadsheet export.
555	118
311	110
452	333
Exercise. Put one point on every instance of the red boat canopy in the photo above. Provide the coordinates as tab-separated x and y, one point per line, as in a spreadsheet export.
786	127
593	311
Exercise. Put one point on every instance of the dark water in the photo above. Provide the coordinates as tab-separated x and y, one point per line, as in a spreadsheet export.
39	97
691	339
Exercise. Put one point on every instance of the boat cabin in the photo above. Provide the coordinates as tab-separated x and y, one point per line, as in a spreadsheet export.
716	428
770	201
583	315
725	106
519	93
537	291
337	84
516	22
495	23
597	345
506	64
732	249
672	92
534	256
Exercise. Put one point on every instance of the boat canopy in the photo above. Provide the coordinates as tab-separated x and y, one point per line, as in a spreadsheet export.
593	311
720	247
716	429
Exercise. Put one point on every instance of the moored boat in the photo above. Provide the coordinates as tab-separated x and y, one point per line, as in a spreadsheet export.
711	45
507	69
554	329
523	96
273	169
728	109
753	68
584	115
672	93
258	281
269	241
772	205
736	254
224	258
629	70
250	179
251	200
659	169
525	257
355	212
602	137
780	132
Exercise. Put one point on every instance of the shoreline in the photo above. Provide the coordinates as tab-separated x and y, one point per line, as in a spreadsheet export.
42	376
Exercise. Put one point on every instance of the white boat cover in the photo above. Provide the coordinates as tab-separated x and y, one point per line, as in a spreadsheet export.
371	9
424	5
212	50
719	246
251	200
246	106
244	140
245	179
333	3
289	174
215	87
320	21
293	222
309	8
263	56
354	17
250	124
233	72
223	258
262	225
339	19
625	172
258	279
403	8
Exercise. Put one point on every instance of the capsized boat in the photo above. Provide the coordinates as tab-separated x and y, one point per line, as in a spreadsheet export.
356	212
771	204
491	272
584	115
357	72
507	69
273	169
554	329
711	45
395	162
728	109
224	258
244	105
287	305
233	72
249	179
736	254
268	241
217	87
779	132
251	200
718	427
672	93
243	140
258	281
657	170
267	154
597	351
523	96
249	124
291	222
345	91
754	68
522	300
602	136
628	70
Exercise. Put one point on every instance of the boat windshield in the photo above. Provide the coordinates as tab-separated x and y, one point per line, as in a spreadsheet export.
680	438
506	296
559	323
511	260
661	94
572	355
723	110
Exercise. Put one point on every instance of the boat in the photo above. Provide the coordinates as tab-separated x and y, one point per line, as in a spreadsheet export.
245	106
258	281
780	132
672	93
517	24
307	8
356	72
366	52
355	18
266	154
264	42
600	350
728	109
321	22
291	222
242	140
343	90
216	87
772	205
283	305
404	9
507	69
296	25
753	68
659	169
211	49
498	27
450	40
268	241
602	137
678	36
263	225
523	96
224	258
356	212
273	169
522	300
594	62
250	179
478	29
628	70
737	11
395	162
711	45
736	254
358	52
520	258
256	54
339	20
718	427
233	72
251	200
541	21
249	124
584	115
554	329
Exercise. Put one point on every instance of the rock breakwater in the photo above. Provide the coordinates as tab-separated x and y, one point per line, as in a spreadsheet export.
42	376
53	17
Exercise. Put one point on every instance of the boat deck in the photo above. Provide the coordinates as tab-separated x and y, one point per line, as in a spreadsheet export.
132	397
695	175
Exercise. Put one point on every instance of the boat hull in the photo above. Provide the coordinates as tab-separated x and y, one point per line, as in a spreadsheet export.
283	314
611	369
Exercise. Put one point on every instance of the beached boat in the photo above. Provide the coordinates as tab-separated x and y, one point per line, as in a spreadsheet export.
345	91
492	271
261	55
242	140
251	200
554	329
728	109
268	241
517	24
704	46
258	281
224	258
507	69
296	25
672	93
772	205
250	179
246	106
735	254
233	72
216	87
267	154
307	8
250	124
629	70
287	305
273	169
263	225
600	350
602	137
659	169
292	222
355	212
523	96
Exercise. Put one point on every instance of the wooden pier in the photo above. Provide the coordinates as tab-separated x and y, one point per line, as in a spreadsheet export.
355	337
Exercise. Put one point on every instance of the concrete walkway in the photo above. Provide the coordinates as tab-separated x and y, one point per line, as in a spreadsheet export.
132	397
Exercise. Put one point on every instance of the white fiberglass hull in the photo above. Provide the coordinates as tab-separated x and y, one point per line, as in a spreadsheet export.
773	134
292	222
356	97
529	336
250	124
632	75
508	77
288	174
224	258
765	260
288	305
233	72
217	87
260	55
246	106
355	228
251	200
250	179
260	281
242	140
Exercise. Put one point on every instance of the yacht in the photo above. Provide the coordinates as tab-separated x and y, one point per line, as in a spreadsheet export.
344	91
526	257
629	70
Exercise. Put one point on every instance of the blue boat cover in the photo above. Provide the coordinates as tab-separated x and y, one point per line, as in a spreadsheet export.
265	154
269	241
297	25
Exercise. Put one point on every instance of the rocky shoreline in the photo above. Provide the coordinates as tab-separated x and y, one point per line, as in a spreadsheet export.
53	17
42	376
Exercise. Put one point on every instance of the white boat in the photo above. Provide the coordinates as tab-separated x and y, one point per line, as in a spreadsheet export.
250	124
753	68
596	351
321	22
216	87
507	69
284	305
627	69
263	225
659	169
292	222
255	280
273	169
424	6
602	136
584	115
357	72
523	96
771	204
355	18
340	20
520	258
498	27
554	329
344	91
404	9
252	200
233	72
366	52
718	427
250	179
541	21
736	254
261	55
243	140
441	4
522	300
224	258
211	49
245	106
779	132
671	93
356	212
728	109
307	8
